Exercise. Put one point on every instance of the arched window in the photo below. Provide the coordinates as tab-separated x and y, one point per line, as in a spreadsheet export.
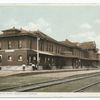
20	58
9	58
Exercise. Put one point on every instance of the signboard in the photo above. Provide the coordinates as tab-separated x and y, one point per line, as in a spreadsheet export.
9	50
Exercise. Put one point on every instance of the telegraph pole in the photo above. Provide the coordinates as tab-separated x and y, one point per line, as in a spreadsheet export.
38	51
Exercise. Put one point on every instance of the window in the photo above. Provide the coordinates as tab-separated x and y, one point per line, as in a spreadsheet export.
0	58
34	58
9	44
9	58
47	47
0	45
30	44
29	59
19	44
40	46
52	47
45	60
20	58
56	49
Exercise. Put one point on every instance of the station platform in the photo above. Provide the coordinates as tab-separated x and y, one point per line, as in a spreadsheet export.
50	73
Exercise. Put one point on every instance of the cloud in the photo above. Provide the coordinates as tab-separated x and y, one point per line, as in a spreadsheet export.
83	36
97	21
97	39
86	26
11	23
31	26
40	24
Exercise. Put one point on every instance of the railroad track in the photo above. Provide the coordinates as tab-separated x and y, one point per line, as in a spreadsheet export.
82	89
29	87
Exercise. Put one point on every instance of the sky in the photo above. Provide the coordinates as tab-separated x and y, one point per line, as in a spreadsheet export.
78	23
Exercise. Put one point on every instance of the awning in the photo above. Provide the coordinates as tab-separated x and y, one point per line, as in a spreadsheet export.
55	55
43	52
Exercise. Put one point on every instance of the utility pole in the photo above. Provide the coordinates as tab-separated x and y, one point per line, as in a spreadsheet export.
38	51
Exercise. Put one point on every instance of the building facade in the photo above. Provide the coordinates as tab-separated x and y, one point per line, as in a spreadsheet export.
18	46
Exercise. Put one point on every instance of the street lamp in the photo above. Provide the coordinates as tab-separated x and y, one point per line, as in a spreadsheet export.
38	51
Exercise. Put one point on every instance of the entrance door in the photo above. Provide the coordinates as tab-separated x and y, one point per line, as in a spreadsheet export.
0	58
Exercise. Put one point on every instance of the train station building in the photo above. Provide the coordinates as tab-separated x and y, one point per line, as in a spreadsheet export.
18	46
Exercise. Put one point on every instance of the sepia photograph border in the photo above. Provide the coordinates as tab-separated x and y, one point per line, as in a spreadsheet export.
50	94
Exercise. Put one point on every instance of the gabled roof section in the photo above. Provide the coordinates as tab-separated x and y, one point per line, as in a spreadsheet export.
88	45
21	32
43	36
15	32
11	30
68	43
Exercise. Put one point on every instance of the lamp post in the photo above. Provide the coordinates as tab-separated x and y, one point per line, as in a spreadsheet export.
38	51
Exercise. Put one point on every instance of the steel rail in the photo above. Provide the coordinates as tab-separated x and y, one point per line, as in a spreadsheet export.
25	88
86	87
49	83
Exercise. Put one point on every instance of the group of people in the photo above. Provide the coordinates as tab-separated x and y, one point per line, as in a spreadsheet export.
34	67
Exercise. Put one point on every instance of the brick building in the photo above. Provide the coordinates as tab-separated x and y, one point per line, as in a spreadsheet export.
18	46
